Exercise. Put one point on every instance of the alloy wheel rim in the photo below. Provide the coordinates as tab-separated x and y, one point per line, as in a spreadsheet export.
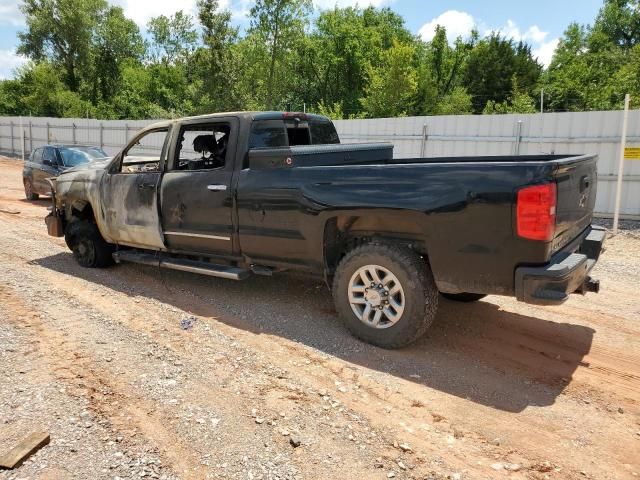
376	296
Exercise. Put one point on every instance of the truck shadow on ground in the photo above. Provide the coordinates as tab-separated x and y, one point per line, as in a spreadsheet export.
478	352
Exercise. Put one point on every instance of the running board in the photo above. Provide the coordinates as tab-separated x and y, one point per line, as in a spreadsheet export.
182	264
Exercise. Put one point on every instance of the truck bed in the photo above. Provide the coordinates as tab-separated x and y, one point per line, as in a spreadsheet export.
371	154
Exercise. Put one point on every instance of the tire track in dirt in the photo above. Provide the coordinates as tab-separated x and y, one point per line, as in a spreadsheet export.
81	372
518	345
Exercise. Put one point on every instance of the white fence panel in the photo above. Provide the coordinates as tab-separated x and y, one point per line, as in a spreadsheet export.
561	133
461	135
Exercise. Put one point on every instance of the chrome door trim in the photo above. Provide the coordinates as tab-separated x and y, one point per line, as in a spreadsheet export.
197	235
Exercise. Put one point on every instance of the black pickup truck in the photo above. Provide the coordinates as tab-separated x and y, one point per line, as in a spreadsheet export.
233	194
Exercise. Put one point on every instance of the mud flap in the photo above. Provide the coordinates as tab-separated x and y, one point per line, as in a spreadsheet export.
54	225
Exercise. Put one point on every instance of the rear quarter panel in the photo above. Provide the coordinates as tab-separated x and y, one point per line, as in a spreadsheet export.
461	212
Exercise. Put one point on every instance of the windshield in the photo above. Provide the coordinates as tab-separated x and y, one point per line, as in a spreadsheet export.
72	156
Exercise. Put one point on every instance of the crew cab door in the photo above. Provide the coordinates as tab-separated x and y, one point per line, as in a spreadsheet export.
196	194
130	191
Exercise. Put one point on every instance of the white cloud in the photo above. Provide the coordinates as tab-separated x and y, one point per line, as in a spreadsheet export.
532	35
457	24
9	61
141	11
541	47
10	13
328	4
545	51
461	23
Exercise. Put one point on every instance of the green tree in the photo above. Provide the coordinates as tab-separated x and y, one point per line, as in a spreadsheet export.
333	112
493	63
439	74
173	38
279	26
11	92
393	84
45	94
116	40
518	102
346	46
594	67
217	64
617	23
456	102
61	32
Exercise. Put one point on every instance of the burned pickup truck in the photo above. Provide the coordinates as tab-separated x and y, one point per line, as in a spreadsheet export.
235	194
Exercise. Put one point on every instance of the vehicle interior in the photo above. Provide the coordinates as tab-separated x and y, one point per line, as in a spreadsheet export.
202	147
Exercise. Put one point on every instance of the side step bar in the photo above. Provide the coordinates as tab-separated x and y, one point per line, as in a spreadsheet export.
185	265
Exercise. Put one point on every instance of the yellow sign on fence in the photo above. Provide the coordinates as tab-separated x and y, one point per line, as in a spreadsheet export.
632	153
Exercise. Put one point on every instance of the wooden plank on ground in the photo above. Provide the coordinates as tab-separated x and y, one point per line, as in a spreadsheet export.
28	446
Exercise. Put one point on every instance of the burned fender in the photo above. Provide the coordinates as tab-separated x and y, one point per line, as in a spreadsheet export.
76	193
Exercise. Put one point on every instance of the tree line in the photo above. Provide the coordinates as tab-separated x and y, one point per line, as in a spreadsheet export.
87	59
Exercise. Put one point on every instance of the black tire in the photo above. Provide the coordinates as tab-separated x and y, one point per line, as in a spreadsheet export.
88	247
464	297
416	279
29	193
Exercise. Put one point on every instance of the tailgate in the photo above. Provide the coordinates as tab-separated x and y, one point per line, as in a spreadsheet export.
576	180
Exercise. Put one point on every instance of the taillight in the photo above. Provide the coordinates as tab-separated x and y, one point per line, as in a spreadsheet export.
536	212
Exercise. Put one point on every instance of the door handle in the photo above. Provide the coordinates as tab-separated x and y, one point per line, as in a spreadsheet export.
146	185
217	188
585	182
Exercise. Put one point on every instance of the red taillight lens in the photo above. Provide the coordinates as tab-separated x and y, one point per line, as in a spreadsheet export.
536	212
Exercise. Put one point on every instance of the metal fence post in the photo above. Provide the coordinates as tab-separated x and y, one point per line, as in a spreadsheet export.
101	143
48	134
126	132
22	139
518	138
423	146
73	132
13	150
623	143
30	138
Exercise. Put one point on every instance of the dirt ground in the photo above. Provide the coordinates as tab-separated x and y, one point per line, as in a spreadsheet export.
104	361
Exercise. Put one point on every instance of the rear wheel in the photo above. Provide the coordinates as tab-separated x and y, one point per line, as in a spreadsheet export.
464	297
29	193
89	248
385	294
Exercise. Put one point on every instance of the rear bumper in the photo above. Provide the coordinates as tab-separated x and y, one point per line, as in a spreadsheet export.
566	273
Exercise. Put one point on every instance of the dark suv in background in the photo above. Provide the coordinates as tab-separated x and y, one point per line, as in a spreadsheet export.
49	161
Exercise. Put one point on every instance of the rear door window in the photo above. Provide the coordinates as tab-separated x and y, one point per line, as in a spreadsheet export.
323	132
268	134
37	156
50	155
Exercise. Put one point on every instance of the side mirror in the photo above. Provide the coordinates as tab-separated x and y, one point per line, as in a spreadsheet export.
47	162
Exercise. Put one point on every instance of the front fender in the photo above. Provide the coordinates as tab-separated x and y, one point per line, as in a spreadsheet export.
77	194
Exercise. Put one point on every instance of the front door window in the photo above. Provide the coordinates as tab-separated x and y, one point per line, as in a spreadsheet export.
145	153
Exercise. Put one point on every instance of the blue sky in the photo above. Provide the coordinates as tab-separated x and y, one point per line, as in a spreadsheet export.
540	22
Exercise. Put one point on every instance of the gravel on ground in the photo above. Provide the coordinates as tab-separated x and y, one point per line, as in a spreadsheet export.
142	373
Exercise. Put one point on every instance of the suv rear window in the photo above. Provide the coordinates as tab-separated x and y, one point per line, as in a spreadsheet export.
284	133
